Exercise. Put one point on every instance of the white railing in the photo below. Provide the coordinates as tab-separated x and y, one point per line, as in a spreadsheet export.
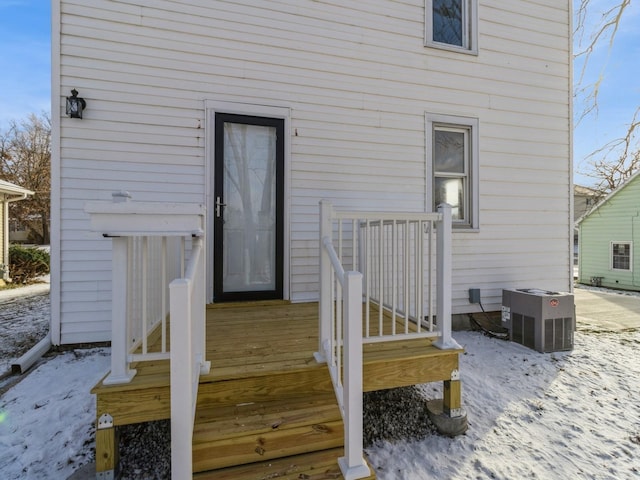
142	267
150	242
341	306
152	262
395	256
188	310
404	261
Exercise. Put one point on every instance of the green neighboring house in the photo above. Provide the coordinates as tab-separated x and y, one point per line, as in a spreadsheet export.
608	234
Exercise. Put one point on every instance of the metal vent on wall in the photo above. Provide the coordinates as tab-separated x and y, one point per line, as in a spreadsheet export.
539	319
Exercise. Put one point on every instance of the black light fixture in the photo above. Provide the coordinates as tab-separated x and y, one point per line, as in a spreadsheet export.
75	105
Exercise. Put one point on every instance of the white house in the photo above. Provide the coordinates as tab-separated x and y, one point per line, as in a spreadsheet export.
373	107
221	126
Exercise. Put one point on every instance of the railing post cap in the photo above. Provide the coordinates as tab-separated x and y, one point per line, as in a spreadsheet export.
121	196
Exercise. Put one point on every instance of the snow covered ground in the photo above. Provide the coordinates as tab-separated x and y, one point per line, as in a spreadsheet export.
573	415
46	421
567	415
24	320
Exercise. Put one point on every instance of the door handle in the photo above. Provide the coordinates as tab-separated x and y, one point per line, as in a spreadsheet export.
219	206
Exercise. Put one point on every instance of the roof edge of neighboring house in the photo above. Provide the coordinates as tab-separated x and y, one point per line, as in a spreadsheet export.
17	192
606	199
587	191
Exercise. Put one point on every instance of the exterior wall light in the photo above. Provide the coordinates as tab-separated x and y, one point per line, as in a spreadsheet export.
75	105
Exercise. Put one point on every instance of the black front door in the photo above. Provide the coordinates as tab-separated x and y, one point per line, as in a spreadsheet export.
248	207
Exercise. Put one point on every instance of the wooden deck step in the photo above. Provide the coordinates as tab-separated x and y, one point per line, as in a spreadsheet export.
321	465
258	431
270	384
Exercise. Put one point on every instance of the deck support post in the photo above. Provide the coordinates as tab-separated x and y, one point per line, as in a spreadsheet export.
447	414
452	398
107	454
325	305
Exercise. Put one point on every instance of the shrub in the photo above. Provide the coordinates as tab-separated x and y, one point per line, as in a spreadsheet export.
26	264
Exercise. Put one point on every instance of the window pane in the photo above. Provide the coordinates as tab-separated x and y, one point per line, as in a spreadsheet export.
250	212
451	191
447	22
621	256
449	152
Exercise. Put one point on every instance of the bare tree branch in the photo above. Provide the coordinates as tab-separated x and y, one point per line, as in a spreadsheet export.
626	159
616	161
25	160
604	31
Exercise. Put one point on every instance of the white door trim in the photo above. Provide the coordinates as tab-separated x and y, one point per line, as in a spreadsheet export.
211	107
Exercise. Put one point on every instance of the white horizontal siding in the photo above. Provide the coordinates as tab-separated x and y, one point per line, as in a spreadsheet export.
358	80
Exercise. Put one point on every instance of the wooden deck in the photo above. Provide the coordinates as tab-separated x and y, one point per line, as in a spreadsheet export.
266	397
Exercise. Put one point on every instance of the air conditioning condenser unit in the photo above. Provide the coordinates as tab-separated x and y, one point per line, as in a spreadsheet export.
539	319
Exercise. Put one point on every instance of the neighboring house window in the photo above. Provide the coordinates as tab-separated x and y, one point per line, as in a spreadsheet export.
452	24
621	255
452	166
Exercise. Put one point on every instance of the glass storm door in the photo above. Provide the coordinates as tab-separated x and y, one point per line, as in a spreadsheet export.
248	207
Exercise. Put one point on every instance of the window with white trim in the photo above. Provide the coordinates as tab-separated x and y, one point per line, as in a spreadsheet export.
452	166
621	256
452	25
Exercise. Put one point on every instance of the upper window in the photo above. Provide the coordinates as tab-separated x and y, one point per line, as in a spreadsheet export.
452	166
621	255
452	24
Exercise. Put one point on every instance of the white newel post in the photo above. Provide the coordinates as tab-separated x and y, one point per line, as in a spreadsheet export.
200	317
324	306
443	272
181	378
120	371
352	464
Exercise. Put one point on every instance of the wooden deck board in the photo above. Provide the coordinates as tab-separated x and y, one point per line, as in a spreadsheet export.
249	340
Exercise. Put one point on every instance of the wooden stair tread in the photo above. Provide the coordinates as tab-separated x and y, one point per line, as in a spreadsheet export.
264	368
216	423
252	432
320	465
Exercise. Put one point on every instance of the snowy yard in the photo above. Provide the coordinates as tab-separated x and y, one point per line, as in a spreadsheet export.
563	415
24	320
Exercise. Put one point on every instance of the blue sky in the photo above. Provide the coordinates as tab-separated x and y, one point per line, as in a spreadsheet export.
25	59
619	92
25	78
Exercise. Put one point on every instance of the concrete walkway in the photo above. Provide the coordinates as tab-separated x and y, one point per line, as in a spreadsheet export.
606	311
